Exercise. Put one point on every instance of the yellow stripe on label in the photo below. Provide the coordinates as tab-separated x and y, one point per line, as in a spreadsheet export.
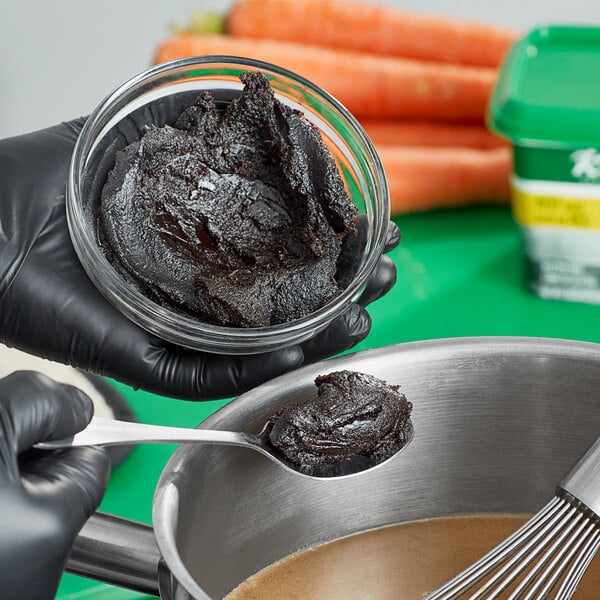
537	209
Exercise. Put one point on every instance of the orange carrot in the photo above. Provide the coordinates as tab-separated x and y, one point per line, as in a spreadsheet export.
427	133
368	85
372	28
427	178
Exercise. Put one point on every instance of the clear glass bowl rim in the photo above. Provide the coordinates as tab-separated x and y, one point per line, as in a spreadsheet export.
181	329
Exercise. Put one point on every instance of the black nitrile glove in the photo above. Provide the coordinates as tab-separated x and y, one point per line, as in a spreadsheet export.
50	308
45	497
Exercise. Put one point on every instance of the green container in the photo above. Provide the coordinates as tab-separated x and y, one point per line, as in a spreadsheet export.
547	102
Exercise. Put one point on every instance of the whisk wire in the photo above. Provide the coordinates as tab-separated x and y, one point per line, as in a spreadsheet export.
556	546
579	565
532	546
478	570
556	559
557	543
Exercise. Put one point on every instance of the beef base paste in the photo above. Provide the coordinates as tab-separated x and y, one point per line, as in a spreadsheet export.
355	418
234	215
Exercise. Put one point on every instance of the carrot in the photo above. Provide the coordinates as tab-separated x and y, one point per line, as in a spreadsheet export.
427	133
427	178
368	85
372	28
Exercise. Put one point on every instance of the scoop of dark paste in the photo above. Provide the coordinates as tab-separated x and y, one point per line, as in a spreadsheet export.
235	215
355	418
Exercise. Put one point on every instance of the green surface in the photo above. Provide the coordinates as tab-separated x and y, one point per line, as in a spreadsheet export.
547	90
459	274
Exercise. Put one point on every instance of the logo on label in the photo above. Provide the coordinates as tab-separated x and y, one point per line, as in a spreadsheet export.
587	164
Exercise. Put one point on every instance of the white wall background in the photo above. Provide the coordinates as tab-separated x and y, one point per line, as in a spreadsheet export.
58	59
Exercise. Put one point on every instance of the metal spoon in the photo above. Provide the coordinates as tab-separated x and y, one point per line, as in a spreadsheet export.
110	432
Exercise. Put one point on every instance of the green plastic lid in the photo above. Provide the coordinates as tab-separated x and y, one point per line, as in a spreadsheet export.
548	92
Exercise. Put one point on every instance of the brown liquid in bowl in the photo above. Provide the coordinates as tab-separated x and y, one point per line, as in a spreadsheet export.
402	562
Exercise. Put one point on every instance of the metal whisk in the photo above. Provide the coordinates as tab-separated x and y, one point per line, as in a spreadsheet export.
548	555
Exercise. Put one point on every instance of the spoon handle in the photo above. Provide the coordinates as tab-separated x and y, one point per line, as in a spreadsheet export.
110	432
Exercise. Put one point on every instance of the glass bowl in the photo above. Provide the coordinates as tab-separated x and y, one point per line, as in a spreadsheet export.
157	96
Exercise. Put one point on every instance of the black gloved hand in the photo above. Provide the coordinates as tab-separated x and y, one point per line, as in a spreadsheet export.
50	308
45	497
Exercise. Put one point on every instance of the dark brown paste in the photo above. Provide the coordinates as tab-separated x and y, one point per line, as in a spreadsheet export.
355	418
235	215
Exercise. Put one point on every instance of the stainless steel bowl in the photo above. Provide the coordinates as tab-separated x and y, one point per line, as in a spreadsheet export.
497	422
